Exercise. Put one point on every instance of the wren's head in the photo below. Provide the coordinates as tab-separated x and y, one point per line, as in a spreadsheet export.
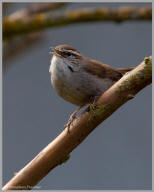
67	56
66	51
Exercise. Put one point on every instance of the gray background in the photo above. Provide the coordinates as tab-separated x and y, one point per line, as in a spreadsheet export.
118	154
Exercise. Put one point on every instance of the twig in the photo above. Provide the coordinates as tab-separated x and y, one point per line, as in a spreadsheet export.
12	27
16	46
36	8
59	149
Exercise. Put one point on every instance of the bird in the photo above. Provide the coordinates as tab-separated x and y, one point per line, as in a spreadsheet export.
79	79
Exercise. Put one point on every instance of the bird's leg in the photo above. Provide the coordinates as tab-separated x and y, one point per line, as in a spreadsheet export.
93	102
72	117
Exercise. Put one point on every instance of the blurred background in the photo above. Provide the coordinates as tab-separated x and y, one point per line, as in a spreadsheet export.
116	155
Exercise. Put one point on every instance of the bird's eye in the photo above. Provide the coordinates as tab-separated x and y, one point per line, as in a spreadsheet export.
68	54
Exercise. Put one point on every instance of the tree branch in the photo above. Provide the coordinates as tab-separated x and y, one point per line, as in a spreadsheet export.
12	27
59	149
36	8
13	47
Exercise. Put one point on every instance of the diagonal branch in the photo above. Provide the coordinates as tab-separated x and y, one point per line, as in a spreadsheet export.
59	149
14	26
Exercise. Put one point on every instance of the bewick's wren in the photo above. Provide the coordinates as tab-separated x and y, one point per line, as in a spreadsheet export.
78	79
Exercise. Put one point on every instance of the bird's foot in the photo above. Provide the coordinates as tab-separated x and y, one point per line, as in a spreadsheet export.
93	104
92	107
71	119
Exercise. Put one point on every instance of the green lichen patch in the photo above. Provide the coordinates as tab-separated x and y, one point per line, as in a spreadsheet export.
148	66
97	113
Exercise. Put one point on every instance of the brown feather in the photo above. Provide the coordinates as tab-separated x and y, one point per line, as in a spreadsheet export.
67	47
124	70
102	70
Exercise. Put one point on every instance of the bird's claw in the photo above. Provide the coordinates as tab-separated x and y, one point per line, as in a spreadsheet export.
71	119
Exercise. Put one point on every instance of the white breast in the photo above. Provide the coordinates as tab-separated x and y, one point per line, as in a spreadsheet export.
60	77
53	64
63	80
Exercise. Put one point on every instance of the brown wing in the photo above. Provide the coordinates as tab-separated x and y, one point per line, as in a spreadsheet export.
124	70
102	70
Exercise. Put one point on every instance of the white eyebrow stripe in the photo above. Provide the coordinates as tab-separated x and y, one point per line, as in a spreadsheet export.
71	51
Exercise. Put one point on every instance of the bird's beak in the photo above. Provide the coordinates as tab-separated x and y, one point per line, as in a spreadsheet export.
55	51
52	50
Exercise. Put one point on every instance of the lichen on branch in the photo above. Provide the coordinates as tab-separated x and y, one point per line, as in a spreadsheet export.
14	26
